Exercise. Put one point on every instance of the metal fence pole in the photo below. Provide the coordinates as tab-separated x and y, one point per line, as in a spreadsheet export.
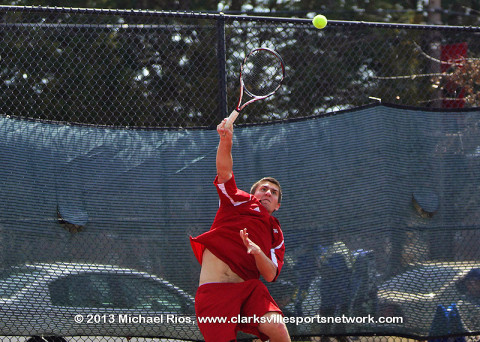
222	77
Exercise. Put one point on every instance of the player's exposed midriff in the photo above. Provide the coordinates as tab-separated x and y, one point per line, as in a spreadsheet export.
215	270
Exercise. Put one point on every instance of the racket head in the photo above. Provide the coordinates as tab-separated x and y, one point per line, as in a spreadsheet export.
261	74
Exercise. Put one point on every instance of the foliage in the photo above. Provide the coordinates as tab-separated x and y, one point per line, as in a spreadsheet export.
466	74
455	12
144	70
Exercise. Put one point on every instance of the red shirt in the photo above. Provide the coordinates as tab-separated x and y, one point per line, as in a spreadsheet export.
238	209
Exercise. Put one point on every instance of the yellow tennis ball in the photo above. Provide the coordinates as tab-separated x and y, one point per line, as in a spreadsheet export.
319	21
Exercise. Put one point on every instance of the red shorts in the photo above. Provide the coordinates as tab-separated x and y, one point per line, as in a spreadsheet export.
233	302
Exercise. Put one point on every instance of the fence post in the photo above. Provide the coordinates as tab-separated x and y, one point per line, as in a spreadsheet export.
222	77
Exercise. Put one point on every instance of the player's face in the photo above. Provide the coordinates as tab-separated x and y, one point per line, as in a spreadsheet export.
267	193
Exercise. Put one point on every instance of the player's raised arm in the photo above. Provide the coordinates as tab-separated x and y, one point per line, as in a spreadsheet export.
224	152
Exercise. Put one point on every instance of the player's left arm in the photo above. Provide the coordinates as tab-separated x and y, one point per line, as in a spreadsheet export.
265	266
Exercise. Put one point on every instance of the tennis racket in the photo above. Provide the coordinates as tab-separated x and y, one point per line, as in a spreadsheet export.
261	75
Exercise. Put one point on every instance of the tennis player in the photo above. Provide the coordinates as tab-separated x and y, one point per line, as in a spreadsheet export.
244	243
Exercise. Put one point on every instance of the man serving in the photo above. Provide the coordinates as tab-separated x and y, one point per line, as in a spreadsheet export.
244	242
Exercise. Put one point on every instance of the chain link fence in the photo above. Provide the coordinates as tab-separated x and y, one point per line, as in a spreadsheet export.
160	72
162	69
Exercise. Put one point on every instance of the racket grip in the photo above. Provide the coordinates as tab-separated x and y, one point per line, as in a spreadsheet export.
231	119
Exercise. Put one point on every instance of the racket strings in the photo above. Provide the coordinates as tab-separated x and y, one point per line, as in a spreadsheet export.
262	73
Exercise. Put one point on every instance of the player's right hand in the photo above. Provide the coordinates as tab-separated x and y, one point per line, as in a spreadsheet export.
224	131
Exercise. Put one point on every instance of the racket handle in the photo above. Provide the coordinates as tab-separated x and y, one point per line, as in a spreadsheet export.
231	119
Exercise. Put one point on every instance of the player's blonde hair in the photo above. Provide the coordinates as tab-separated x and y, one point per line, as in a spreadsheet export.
271	180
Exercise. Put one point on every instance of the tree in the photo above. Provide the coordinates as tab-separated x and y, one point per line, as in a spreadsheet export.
144	70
